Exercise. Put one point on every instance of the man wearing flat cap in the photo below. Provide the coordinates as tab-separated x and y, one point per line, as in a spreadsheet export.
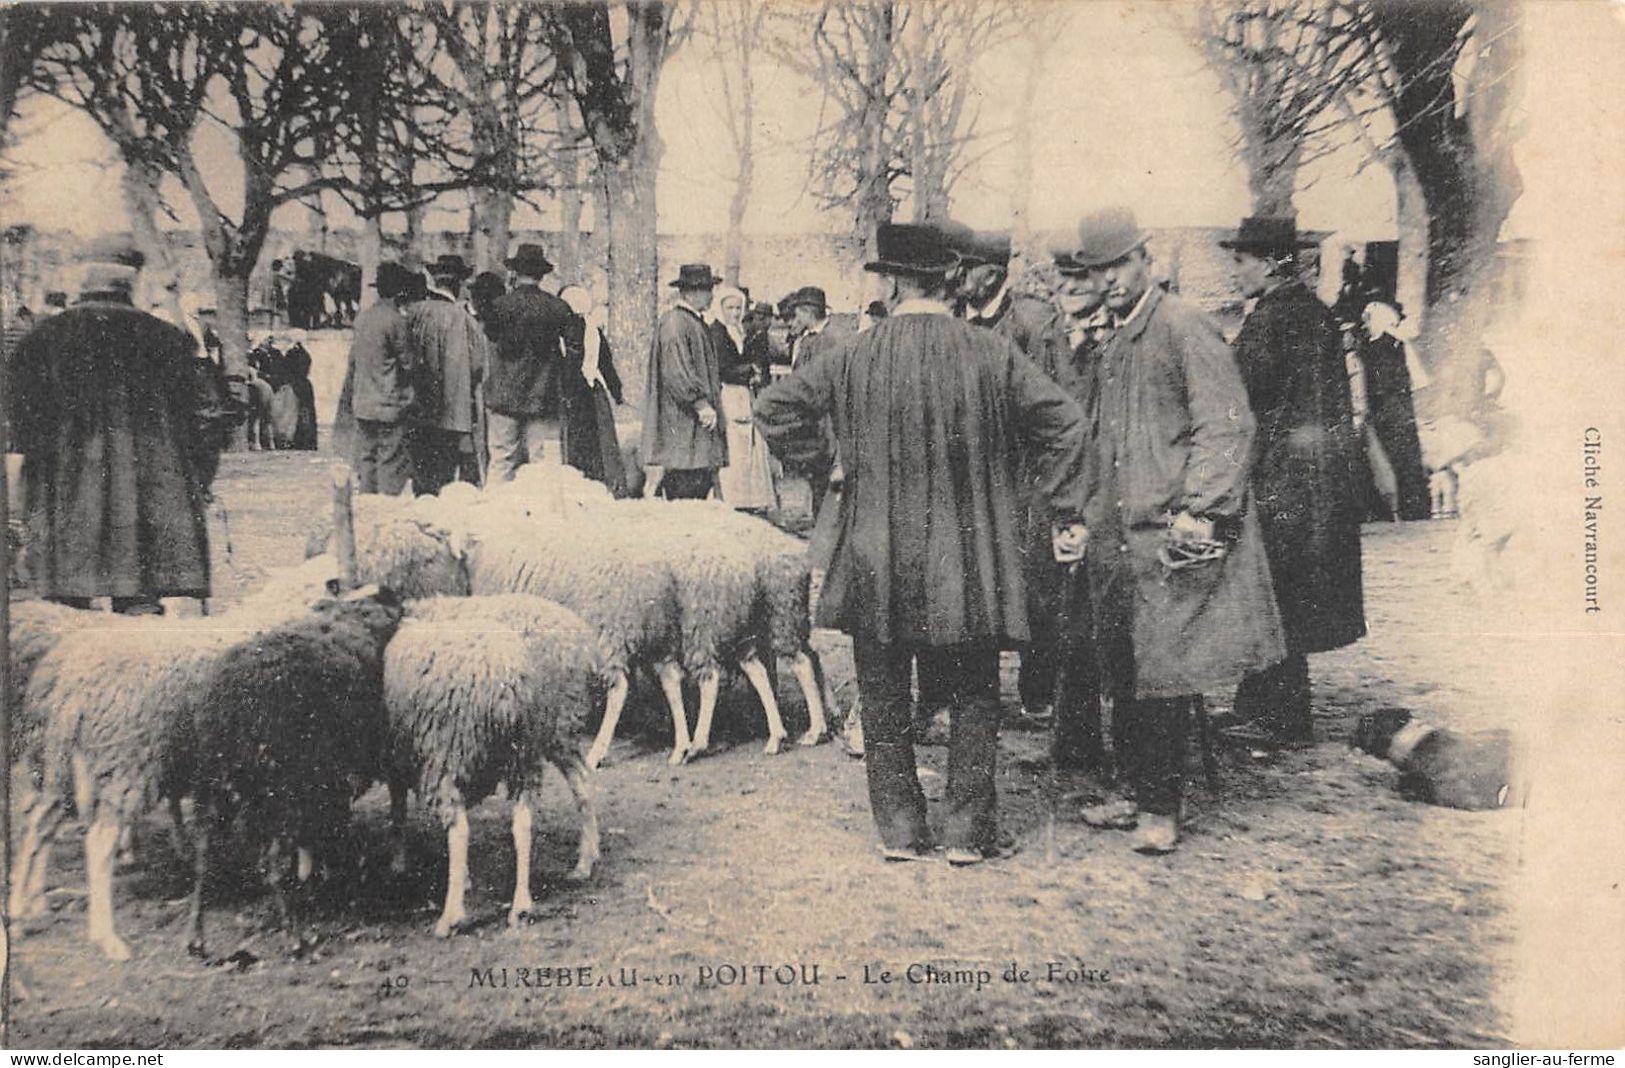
682	432
533	347
452	356
378	384
119	440
1307	462
931	417
1180	586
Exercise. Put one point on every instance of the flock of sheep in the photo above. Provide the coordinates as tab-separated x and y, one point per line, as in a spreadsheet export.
439	644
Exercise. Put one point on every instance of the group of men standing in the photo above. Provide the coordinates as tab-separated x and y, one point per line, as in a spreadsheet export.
441	389
1152	513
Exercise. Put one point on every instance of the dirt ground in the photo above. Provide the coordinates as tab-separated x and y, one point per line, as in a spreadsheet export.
1309	906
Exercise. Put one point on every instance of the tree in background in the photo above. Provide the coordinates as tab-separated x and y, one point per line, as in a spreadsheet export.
897	98
733	31
503	79
609	61
1284	63
140	75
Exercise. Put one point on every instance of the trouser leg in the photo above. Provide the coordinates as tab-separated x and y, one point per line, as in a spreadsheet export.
1076	742
972	675
139	605
432	459
1277	698
503	439
544	441
384	464
1156	737
895	797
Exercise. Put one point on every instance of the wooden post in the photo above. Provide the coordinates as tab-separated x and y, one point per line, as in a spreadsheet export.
344	526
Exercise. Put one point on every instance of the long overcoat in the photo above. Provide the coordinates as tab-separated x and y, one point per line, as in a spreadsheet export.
931	417
1170	431
114	430
683	374
452	355
1306	466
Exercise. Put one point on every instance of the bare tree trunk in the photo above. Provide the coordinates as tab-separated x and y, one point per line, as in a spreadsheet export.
493	218
414	235
634	285
569	253
372	248
140	188
1411	220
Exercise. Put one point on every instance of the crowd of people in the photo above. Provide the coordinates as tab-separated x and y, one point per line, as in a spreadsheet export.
1147	510
1096	476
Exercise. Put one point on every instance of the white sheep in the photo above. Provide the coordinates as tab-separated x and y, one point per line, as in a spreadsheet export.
617	581
117	704
488	689
117	699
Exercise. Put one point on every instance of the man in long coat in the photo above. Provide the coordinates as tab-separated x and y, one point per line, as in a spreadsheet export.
379	386
1177	572
451	360
682	432
119	445
930	416
1036	328
1306	473
814	333
534	345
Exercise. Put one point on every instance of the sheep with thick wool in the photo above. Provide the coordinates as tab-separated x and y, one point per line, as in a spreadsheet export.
488	689
121	710
288	732
117	711
778	622
617	581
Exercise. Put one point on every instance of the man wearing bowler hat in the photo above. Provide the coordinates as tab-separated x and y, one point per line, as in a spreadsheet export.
931	416
682	433
1177	574
1307	461
379	384
532	344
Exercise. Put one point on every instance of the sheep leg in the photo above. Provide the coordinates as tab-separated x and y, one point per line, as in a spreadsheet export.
45	817
179	840
522	837
580	779
397	825
304	864
456	871
274	862
671	683
101	842
810	677
614	702
207	817
124	855
710	684
756	672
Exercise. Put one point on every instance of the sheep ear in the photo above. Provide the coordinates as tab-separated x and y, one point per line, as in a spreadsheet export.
360	593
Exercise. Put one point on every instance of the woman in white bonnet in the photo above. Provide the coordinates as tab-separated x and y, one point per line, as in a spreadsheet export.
747	481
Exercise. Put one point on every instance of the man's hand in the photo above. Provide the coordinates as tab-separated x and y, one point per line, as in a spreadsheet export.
707	416
1069	542
593	375
1186	528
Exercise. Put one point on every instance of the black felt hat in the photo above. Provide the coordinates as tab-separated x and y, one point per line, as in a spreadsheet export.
807	297
1266	235
904	248
695	276
450	264
1106	236
530	261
